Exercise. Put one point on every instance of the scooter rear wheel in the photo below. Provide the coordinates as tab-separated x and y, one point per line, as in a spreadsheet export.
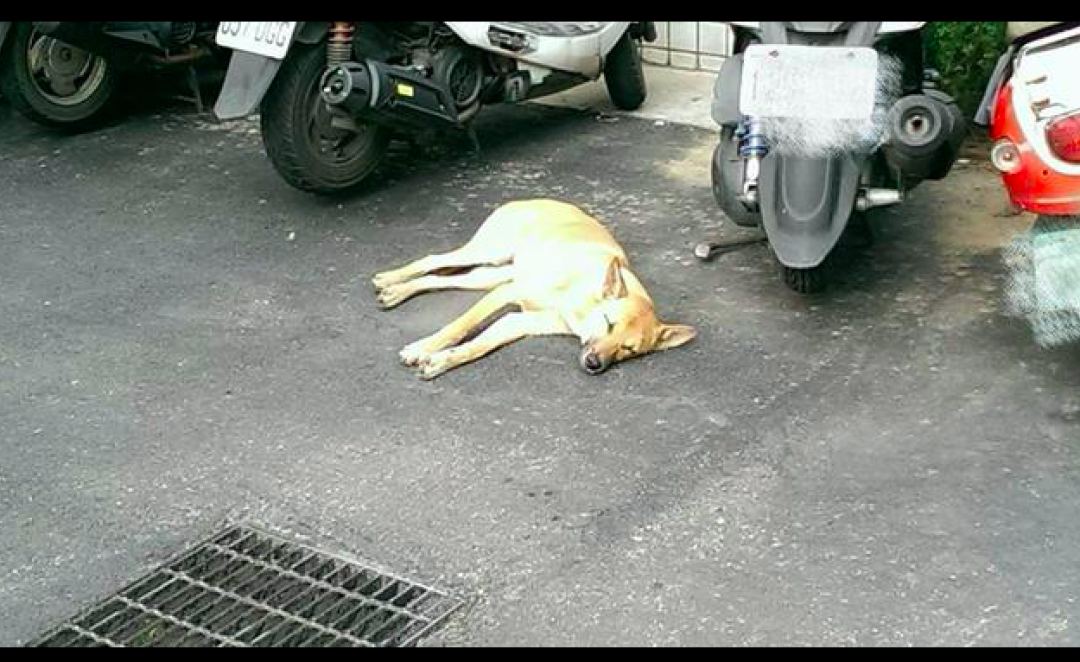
305	149
858	235
805	281
727	178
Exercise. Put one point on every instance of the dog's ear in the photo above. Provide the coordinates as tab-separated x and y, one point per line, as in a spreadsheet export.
614	285
674	335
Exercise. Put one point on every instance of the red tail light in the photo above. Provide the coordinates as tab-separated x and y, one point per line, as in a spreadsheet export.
1063	135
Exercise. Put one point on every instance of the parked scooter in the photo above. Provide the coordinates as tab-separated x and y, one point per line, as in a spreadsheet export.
821	121
331	95
1032	107
66	74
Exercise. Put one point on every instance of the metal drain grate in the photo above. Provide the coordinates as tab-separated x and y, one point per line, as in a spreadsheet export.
247	588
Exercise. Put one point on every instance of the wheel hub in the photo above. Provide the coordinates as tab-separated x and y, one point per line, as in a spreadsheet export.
60	64
336	143
62	73
462	72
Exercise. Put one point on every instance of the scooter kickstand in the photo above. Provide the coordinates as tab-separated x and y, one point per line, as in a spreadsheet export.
707	250
196	90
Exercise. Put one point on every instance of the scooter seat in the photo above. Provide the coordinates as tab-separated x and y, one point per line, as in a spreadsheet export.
545	29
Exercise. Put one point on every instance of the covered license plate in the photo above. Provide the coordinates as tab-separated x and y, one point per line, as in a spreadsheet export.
809	82
270	39
1057	287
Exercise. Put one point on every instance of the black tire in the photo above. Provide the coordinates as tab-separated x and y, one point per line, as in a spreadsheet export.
805	281
31	93
727	173
624	74
743	39
858	236
290	117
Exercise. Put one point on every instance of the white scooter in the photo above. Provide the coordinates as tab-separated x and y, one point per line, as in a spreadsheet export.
331	94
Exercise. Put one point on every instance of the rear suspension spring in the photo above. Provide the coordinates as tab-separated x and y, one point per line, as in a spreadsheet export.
339	47
752	141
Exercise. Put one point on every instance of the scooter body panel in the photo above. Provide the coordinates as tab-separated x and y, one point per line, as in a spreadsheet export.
574	48
1034	185
1045	87
887	27
1035	83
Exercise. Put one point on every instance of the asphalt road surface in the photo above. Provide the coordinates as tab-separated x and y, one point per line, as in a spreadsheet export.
186	342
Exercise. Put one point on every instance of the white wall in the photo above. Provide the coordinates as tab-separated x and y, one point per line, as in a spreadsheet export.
690	45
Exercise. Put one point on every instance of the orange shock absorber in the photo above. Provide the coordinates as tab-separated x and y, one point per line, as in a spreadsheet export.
339	48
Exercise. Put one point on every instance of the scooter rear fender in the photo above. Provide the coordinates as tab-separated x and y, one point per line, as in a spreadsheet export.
806	203
250	75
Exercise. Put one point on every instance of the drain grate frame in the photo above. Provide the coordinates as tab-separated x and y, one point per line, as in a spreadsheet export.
245	587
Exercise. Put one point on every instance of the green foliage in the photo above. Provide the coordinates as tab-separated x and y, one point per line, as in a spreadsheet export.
964	53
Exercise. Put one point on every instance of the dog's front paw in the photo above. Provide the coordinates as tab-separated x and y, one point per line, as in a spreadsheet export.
433	365
391	296
414	353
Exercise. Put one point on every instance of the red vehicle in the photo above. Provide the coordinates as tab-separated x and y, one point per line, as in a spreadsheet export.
1032	107
1033	110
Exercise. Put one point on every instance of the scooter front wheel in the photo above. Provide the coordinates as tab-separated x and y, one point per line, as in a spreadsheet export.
624	74
306	150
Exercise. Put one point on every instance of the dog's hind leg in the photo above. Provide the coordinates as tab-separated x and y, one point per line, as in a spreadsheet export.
455	331
472	254
481	278
506	330
493	244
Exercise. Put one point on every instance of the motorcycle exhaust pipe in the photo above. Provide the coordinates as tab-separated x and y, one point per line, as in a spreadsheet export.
348	86
925	132
385	94
877	197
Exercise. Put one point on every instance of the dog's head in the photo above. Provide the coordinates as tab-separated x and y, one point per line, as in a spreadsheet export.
623	324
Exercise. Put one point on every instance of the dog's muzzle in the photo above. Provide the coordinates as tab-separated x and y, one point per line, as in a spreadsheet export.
592	363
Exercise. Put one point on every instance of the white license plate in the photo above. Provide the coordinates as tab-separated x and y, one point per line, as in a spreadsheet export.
809	82
270	39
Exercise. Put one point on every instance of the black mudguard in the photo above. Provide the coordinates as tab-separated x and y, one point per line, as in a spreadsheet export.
806	203
250	75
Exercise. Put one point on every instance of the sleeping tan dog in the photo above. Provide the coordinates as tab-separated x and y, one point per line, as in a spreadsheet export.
559	267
